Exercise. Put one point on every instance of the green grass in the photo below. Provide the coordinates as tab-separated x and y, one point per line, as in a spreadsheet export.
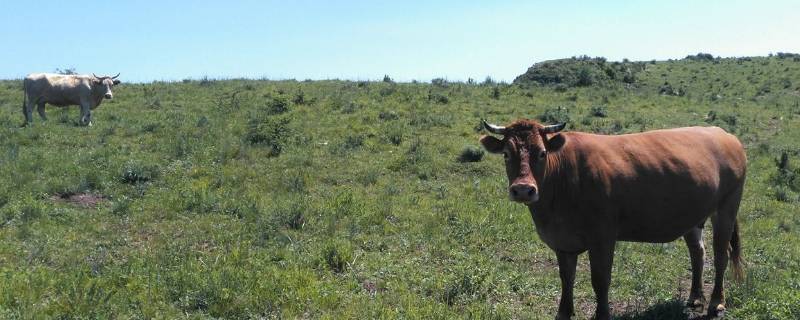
337	199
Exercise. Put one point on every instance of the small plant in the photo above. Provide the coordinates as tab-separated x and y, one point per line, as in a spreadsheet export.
598	111
438	98
387	91
495	93
388	115
299	98
135	173
471	154
337	256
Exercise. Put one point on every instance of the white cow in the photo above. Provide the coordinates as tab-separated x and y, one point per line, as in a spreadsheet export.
61	90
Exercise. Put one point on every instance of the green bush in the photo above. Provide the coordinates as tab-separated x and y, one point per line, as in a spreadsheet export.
599	111
338	255
271	132
555	115
471	154
134	172
277	105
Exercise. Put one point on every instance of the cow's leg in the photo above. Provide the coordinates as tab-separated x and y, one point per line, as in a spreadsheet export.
566	269
697	251
724	223
86	114
40	109
601	258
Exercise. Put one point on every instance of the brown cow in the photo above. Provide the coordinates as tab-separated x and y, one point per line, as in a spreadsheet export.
86	91
587	191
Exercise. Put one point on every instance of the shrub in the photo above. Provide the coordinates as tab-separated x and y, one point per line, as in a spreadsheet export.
387	91
438	98
467	286
580	71
350	143
299	97
495	93
290	215
388	115
471	154
585	77
599	111
701	57
387	79
555	115
277	105
337	256
784	194
134	172
394	134
66	71
271	132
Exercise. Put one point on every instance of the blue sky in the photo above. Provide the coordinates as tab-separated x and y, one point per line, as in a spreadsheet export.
363	40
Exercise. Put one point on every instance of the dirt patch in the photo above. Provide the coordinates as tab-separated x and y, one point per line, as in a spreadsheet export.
86	200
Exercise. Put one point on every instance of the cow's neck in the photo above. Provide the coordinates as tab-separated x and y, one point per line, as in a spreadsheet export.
557	182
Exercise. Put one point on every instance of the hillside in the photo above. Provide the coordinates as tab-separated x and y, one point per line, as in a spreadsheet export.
339	199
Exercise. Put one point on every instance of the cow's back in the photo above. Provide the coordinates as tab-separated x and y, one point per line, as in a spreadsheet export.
56	89
657	184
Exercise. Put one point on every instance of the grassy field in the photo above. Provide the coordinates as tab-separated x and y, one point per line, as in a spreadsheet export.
339	199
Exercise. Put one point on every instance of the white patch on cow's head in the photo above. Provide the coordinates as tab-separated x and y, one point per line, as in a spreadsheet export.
107	84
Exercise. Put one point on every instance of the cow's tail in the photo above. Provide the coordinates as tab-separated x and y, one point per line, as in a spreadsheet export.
24	94
736	254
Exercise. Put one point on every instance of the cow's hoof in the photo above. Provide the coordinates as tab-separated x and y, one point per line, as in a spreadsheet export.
562	316
695	302
718	311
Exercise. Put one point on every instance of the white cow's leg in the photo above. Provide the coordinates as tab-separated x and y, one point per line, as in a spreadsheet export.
40	109
85	114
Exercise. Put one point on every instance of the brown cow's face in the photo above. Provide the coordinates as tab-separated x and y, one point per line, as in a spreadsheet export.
524	148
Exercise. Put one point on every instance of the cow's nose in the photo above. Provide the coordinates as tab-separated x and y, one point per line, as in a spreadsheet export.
523	193
108	96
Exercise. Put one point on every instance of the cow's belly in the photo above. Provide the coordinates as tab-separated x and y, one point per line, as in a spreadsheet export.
662	224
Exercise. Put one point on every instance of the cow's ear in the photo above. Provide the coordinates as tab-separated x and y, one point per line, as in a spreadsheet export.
116	82
555	142
96	81
492	144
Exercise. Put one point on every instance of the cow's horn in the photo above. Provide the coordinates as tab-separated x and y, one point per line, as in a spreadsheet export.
493	128
114	77
94	75
554	128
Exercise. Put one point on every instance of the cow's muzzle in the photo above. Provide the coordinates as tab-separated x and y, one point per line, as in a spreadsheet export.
525	193
109	96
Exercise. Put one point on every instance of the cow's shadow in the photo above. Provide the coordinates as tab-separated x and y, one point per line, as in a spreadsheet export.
669	310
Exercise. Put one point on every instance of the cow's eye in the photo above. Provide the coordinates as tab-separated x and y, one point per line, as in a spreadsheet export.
542	154
505	155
